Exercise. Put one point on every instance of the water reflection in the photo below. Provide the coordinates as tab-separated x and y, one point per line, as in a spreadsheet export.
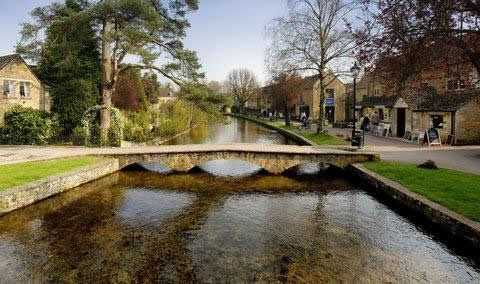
147	227
233	131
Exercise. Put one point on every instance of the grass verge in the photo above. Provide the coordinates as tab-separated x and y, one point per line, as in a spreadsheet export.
23	173
319	139
458	191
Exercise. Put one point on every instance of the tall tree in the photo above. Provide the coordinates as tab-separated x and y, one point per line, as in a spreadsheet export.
69	63
404	37
313	37
286	90
242	84
151	30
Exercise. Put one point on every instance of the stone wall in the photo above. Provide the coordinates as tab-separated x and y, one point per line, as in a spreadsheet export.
447	222
25	195
18	72
467	124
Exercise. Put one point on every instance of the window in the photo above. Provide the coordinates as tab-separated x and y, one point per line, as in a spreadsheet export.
8	88
376	92
455	84
24	89
437	121
330	93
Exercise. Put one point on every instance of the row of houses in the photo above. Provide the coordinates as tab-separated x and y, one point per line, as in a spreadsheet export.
433	100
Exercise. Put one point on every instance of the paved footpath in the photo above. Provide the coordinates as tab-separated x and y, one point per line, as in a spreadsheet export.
461	158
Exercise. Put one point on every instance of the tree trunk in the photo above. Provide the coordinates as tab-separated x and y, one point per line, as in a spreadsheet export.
321	115
107	88
287	116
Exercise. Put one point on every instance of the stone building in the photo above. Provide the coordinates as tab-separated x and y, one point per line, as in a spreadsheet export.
433	99
335	99
20	86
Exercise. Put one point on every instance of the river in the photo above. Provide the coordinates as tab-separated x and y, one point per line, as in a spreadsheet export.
224	225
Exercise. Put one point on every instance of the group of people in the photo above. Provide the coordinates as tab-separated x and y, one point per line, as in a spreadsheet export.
366	124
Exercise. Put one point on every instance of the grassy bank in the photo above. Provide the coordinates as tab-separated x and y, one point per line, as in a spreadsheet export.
455	190
23	173
322	139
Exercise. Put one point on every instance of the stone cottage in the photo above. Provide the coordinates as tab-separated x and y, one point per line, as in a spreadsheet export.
20	86
335	100
456	114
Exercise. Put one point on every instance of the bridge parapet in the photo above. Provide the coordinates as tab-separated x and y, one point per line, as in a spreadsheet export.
273	158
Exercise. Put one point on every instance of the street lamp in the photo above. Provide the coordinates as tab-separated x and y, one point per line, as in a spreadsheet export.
355	70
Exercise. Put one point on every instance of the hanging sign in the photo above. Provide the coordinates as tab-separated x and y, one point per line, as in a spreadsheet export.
432	137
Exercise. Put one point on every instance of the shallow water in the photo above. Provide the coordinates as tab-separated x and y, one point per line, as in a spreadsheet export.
145	227
232	225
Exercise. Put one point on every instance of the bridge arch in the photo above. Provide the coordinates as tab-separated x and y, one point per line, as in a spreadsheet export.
274	162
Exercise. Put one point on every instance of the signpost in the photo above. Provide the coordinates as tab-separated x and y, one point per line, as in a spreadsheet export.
432	137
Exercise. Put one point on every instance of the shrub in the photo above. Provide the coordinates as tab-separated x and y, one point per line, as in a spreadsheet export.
26	126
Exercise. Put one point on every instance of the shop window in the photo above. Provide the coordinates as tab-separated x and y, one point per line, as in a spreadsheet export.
437	121
455	84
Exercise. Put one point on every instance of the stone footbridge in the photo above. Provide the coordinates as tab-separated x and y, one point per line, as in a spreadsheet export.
273	158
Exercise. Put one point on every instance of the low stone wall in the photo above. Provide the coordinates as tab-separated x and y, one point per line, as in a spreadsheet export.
28	194
453	225
300	140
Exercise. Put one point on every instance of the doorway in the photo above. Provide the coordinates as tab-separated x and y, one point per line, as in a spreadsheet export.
330	114
401	121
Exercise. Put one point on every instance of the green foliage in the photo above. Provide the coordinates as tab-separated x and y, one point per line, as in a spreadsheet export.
138	126
455	190
90	132
205	98
151	87
26	126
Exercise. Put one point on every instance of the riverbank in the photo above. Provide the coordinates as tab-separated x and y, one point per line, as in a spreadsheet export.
304	137
454	226
40	180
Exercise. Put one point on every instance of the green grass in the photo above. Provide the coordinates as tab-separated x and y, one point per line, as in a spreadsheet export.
455	190
319	139
23	173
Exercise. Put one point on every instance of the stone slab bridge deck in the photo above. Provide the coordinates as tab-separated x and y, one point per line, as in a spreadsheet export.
273	158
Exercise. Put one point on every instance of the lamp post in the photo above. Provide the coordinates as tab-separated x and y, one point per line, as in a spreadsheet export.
355	70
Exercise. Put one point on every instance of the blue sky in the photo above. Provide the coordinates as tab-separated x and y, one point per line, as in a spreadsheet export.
226	34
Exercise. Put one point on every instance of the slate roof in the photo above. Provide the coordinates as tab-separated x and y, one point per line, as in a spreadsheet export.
450	101
309	82
379	101
4	60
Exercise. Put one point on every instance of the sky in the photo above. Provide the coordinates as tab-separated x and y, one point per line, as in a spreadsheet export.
226	34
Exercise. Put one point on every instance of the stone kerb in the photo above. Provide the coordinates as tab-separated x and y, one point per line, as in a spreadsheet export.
453	225
31	193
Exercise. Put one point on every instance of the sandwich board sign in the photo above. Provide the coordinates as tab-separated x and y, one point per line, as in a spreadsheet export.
432	137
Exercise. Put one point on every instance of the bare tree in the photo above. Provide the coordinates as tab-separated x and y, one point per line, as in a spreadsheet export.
216	86
242	84
313	37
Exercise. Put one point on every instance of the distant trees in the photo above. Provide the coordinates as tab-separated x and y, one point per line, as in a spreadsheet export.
286	90
242	84
151	87
148	29
405	37
313	37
